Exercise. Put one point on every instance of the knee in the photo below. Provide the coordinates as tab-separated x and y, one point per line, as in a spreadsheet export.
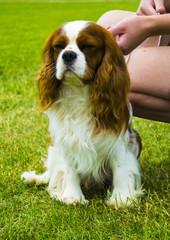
112	17
109	18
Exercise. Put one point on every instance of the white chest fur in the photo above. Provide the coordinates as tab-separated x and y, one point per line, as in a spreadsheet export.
72	130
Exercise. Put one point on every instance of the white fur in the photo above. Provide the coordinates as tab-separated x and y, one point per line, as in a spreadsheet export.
79	155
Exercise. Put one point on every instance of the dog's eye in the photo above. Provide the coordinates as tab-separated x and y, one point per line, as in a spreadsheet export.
59	46
86	47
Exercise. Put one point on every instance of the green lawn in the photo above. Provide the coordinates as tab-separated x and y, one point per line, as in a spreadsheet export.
30	213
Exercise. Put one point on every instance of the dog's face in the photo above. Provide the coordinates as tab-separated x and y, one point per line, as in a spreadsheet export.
78	49
75	50
83	53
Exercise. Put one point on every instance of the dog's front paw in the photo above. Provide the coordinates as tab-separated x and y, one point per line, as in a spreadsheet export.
74	201
69	200
118	200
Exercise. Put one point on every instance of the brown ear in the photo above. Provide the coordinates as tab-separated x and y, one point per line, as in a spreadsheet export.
47	83
109	90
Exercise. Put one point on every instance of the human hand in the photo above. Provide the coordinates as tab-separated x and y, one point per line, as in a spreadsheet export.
151	7
129	33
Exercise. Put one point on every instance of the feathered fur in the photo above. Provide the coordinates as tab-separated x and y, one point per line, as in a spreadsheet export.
83	87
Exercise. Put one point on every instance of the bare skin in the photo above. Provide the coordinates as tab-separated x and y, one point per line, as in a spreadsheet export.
133	30
149	68
151	7
150	87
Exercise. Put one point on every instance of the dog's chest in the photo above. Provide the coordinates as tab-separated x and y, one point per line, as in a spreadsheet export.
72	129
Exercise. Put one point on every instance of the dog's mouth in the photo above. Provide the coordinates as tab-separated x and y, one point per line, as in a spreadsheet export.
70	77
70	72
65	72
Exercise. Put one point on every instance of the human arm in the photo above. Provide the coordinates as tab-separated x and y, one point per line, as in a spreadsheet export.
132	31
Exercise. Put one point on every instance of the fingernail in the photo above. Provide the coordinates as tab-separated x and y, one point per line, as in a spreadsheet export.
108	27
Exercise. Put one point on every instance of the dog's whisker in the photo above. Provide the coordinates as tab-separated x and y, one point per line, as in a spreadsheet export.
53	75
51	68
51	64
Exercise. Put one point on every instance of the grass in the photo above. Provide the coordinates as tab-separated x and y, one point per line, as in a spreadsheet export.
29	213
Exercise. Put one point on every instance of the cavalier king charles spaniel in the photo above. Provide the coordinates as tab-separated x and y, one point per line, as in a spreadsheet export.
83	88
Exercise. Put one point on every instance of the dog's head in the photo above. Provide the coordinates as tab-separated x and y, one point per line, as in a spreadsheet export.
83	53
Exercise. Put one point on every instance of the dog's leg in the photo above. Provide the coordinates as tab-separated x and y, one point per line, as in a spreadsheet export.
67	188
32	178
64	183
126	177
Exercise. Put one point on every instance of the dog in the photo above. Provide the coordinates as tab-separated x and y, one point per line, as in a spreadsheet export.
83	88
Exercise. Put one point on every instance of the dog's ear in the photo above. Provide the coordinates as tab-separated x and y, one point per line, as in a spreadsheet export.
109	90
47	83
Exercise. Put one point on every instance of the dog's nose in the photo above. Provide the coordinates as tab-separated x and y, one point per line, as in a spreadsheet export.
69	56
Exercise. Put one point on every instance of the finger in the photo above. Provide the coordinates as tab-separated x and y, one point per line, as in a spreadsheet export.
149	10
108	27
159	7
122	44
115	31
117	38
161	10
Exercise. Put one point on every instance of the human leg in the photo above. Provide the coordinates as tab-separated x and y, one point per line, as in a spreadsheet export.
112	17
149	69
